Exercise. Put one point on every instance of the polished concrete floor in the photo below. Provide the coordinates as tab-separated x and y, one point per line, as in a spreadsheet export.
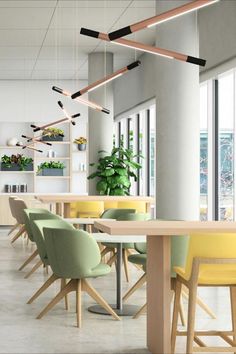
20	332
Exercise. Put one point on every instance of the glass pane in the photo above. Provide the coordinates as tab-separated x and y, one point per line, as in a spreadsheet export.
203	152
152	149
226	146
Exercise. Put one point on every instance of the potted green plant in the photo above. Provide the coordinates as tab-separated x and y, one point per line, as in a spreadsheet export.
51	168
53	134
17	162
81	142
115	171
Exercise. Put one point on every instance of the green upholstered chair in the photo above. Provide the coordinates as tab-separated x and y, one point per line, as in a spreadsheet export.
74	254
121	214
25	217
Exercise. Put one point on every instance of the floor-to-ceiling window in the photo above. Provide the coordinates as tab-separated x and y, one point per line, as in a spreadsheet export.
136	131
217	147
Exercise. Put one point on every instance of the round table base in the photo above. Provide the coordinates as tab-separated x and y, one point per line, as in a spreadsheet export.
127	310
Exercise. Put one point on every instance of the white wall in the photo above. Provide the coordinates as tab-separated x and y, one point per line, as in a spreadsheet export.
28	101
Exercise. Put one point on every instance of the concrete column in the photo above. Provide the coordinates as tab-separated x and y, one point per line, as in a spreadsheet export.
100	131
177	116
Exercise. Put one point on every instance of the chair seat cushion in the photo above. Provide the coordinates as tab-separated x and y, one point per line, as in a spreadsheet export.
138	258
114	245
213	275
99	270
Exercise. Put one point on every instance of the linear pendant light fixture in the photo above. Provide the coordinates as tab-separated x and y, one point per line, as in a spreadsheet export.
166	16
145	47
106	79
90	104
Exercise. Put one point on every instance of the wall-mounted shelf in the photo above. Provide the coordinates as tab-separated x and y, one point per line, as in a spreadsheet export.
52	158
54	177
10	147
79	171
16	172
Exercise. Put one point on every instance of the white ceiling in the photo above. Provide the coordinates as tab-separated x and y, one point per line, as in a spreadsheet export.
41	39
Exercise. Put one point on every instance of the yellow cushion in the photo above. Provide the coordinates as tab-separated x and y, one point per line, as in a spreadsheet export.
86	209
219	274
110	205
139	206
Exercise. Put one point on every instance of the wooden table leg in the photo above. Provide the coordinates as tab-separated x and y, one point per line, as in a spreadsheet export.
158	294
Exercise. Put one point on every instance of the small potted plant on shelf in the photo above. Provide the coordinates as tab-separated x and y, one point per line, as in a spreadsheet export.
17	162
51	168
81	142
53	134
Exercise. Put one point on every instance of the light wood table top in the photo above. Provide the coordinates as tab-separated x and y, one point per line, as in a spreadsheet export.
69	198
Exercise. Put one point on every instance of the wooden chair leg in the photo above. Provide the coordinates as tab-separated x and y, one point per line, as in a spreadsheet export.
37	265
233	311
78	302
71	286
111	260
19	233
99	299
126	264
200	303
140	311
63	284
43	288
28	260
176	310
136	286
181	312
13	228
191	318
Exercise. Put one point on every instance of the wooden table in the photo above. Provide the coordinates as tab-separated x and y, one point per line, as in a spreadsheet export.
62	201
158	267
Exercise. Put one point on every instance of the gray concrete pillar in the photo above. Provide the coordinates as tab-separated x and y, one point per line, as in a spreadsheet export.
100	130
177	115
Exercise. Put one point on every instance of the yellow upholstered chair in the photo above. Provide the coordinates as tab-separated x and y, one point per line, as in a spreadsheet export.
110	205
139	206
84	209
211	261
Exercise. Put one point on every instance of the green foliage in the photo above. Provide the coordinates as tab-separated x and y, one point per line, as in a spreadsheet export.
19	159
53	132
50	164
115	171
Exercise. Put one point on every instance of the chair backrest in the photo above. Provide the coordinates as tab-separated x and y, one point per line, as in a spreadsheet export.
116	213
179	249
38	222
27	222
86	209
210	246
71	254
19	205
139	206
12	205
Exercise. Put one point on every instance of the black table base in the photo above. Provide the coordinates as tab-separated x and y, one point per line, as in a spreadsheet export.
127	310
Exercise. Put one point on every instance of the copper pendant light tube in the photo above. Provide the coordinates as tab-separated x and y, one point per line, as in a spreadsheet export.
145	47
106	79
88	103
29	146
165	16
56	122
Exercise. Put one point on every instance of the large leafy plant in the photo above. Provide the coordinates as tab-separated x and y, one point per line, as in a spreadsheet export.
19	159
115	171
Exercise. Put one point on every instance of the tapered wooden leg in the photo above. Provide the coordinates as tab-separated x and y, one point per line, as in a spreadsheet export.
175	314
78	302
19	233
28	260
37	265
126	265
135	287
200	303
63	284
43	288
181	312
13	228
191	318
233	311
111	260
95	295
142	310
68	288
105	251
